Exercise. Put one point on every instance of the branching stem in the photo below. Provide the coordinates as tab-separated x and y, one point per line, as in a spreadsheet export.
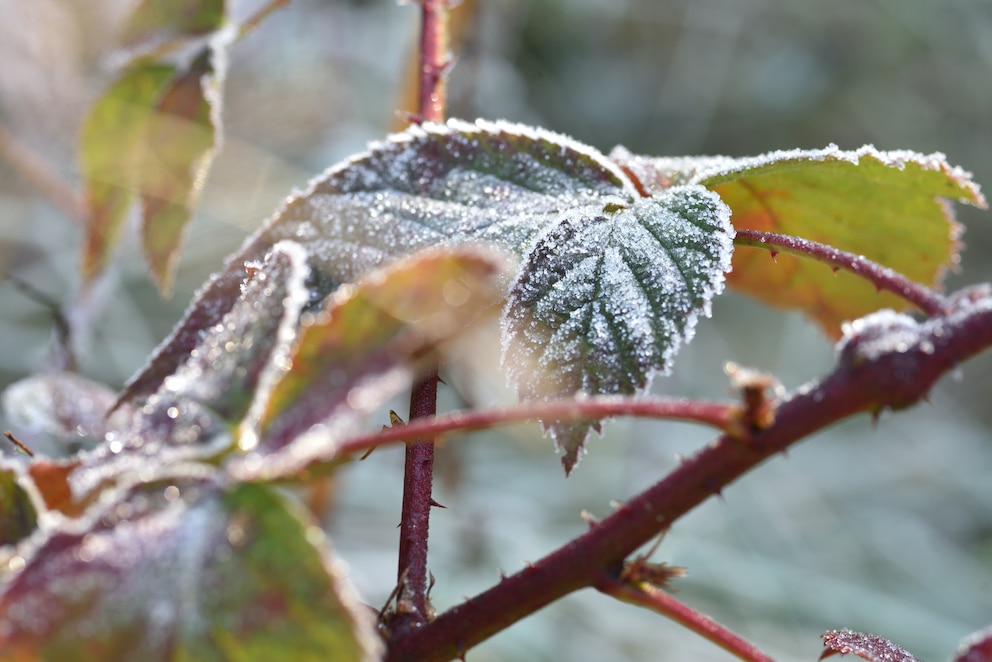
722	416
863	381
928	301
657	600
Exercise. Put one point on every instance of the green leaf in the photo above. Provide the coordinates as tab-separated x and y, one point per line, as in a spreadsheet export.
889	207
509	185
112	141
185	568
157	21
605	300
181	141
18	514
356	353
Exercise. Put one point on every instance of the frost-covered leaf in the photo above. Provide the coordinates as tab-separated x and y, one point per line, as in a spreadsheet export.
57	413
500	183
111	144
976	648
889	207
356	353
866	646
181	141
194	410
184	568
18	514
603	301
156	21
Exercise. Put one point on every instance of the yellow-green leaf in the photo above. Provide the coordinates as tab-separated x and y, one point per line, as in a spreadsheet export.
181	142
111	144
889	207
154	22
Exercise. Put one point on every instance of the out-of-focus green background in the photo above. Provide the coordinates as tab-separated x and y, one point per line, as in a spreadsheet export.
883	528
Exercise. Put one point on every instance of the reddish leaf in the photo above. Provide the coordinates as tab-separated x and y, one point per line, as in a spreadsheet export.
357	353
51	479
184	568
976	648
192	413
866	646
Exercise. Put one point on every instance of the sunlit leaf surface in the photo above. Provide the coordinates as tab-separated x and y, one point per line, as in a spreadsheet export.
181	142
524	190
359	350
605	299
110	156
890	207
184	568
866	646
157	21
194	411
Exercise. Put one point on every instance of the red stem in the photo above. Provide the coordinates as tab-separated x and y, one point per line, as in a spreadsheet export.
433	59
667	605
871	374
720	415
413	607
928	301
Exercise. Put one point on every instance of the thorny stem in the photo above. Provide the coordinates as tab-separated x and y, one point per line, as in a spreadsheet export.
39	175
413	607
722	416
655	599
928	301
867	378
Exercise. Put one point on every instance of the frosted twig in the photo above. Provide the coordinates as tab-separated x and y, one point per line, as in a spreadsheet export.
884	278
723	416
862	382
657	600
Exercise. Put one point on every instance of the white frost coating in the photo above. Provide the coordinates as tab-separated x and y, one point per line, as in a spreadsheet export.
296	298
882	332
605	299
430	185
713	170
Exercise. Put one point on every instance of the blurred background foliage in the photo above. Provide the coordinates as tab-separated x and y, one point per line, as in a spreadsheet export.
883	528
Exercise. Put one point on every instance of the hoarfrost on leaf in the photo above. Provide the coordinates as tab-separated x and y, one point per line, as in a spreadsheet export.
603	301
557	205
890	207
233	363
183	566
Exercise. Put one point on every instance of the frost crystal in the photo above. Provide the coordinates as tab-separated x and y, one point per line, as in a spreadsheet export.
610	282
